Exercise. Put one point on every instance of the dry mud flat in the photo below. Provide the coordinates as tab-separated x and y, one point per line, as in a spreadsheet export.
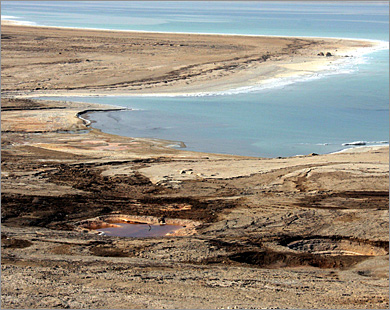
302	232
60	61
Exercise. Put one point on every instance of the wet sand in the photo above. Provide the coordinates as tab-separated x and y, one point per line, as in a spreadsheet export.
302	232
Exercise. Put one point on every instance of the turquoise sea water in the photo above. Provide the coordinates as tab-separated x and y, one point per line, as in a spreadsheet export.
350	103
356	19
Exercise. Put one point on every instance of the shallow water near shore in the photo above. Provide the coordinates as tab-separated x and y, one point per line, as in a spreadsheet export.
321	115
324	113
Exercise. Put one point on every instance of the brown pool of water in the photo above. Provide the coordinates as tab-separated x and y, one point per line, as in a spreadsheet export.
139	230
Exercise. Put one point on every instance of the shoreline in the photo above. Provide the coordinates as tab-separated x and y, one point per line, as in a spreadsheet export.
364	148
317	68
180	145
270	74
16	23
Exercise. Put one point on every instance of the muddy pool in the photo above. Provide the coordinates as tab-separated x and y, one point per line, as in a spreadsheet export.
139	230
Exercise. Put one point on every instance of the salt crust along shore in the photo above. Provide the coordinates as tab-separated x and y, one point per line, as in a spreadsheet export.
210	70
293	73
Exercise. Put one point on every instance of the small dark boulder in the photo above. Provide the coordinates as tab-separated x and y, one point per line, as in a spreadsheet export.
320	54
328	54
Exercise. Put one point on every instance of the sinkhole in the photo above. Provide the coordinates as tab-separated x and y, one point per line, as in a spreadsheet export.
132	226
339	246
139	230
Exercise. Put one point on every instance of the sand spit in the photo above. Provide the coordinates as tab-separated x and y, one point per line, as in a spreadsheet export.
301	232
92	62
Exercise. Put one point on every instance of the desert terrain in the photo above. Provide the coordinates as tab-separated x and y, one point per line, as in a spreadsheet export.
302	232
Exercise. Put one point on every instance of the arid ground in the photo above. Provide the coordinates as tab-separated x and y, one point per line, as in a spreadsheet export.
301	232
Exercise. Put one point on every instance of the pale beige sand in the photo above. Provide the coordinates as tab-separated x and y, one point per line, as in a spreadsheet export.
46	61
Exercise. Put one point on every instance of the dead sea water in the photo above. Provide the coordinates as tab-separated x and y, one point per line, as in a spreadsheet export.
324	113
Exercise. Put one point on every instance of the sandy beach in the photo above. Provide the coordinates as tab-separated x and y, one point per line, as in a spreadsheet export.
90	62
302	232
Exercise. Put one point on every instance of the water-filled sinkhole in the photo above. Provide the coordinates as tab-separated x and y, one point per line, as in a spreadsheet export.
134	226
139	230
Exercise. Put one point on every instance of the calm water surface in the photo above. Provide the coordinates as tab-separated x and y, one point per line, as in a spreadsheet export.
358	19
347	104
139	230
